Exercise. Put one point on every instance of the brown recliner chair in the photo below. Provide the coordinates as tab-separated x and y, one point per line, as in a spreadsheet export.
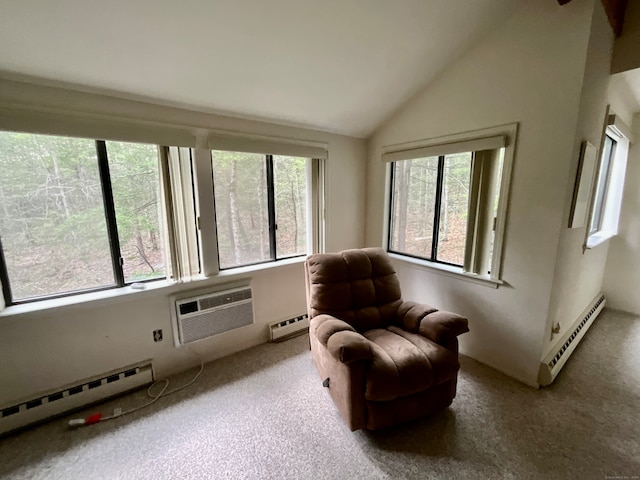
384	360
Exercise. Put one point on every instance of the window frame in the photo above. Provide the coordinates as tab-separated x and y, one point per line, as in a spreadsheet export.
493	278
271	213
200	145
602	184
610	209
437	213
117	261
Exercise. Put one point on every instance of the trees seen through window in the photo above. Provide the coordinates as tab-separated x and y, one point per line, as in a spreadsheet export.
261	207
53	228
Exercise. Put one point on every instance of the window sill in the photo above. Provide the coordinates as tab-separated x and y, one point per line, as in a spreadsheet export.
597	239
448	271
230	272
84	298
157	288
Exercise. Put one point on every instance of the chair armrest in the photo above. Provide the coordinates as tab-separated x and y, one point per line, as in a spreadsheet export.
436	325
442	326
349	347
410	314
341	339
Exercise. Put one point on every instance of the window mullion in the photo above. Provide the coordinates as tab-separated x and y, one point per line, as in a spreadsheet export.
110	212
392	200
438	207
607	174
206	211
315	205
271	206
473	216
4	278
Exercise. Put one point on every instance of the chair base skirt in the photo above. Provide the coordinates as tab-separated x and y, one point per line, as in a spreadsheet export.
346	387
404	409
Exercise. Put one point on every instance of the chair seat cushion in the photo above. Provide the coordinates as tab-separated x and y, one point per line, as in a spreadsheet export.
405	363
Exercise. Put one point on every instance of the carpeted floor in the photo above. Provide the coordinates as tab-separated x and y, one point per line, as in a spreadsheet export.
263	413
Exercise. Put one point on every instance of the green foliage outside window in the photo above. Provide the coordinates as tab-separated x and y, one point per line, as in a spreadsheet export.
52	218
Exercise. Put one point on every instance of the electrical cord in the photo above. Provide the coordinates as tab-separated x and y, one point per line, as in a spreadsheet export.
98	417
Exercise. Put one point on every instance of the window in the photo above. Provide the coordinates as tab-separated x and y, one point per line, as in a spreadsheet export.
447	200
80	215
76	215
430	207
606	200
261	207
604	174
133	170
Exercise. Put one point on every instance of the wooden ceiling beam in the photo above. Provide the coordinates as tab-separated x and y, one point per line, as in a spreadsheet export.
615	12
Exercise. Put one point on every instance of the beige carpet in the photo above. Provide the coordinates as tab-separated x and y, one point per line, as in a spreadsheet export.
263	413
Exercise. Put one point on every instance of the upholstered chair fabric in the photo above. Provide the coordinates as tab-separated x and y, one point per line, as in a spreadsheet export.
385	360
356	286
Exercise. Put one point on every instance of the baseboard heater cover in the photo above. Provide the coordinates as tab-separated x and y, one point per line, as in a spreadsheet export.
555	360
291	327
71	397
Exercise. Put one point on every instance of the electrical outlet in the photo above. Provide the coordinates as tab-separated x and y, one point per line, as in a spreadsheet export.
157	335
555	329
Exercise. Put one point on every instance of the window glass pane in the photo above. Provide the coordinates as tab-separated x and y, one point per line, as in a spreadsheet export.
241	208
412	211
601	187
290	185
454	208
52	221
135	182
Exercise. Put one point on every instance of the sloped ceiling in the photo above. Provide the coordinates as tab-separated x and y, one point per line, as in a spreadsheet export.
336	65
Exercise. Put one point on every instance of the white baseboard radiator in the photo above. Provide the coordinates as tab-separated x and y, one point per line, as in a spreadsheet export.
71	397
291	327
212	312
555	360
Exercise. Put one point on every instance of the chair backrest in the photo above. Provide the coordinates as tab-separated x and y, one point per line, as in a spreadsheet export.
358	286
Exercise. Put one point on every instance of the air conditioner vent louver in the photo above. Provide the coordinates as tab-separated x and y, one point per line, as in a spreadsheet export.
212	301
209	314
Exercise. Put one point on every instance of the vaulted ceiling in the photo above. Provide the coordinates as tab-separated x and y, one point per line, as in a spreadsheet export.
336	65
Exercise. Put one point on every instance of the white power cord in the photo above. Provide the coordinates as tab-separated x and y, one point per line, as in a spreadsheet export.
97	417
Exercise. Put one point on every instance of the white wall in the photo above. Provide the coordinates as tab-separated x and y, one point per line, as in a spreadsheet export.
530	70
578	277
43	350
622	274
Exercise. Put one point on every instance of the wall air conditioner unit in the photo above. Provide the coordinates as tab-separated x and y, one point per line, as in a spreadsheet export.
210	313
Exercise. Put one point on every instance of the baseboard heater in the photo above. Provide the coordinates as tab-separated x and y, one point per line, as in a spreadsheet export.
555	360
291	327
53	403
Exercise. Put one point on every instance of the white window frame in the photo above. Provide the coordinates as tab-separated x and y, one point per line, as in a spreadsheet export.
484	142
201	144
314	239
614	188
104	169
